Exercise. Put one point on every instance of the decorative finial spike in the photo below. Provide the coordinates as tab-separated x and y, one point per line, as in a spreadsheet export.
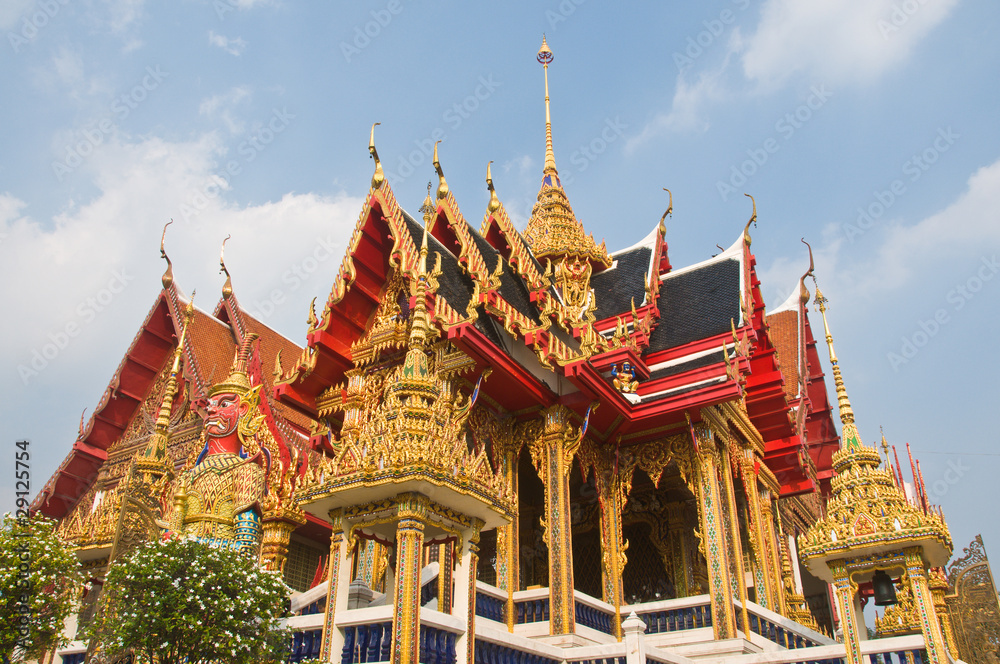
494	203
379	176
753	220
227	288
168	276
442	191
670	210
803	291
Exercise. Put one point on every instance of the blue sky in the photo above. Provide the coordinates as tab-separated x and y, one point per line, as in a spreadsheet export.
866	126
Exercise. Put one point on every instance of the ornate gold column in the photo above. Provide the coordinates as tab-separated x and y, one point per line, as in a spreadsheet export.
614	480
446	567
277	530
680	550
508	561
736	555
764	554
772	550
938	583
713	538
553	458
412	514
844	590
924	603
338	574
465	602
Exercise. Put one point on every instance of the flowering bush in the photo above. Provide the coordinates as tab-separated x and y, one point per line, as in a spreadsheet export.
178	600
39	585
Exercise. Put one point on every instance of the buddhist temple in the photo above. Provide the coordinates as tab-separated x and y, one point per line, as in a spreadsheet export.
496	445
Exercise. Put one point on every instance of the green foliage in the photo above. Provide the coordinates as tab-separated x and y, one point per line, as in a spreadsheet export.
182	600
39	586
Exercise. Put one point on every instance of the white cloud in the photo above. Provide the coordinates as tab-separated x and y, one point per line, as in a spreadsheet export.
963	233
12	13
220	106
837	40
61	262
233	46
686	112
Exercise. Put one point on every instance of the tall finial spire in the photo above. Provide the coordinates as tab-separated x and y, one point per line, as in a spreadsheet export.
153	460
545	57
849	432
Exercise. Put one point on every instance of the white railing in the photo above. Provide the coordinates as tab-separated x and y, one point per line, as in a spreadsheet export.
775	628
836	652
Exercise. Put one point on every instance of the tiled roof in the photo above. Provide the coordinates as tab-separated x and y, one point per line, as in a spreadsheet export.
784	332
615	288
697	303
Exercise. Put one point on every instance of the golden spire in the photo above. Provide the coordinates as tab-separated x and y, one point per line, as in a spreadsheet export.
885	447
553	230
442	191
155	454
545	57
849	432
416	366
494	203
227	288
168	276
379	176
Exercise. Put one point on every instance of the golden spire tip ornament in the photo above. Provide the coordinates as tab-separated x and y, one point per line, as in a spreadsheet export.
545	57
670	210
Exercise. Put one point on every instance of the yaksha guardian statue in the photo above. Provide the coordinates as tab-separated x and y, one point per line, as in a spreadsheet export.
219	499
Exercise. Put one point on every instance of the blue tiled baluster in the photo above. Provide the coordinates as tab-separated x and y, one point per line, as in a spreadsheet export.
347	655
386	641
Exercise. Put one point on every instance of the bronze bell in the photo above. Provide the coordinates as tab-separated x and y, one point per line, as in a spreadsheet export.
884	589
